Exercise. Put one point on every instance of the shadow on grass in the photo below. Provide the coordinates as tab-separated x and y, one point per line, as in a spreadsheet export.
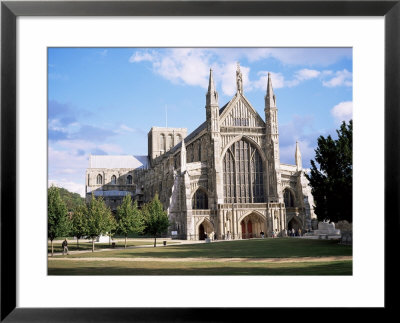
288	269
259	248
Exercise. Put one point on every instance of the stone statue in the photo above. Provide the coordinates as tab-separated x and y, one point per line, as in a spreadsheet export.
239	81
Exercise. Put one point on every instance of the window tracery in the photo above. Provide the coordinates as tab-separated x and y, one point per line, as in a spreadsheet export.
243	174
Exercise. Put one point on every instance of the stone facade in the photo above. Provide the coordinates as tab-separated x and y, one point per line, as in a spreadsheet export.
225	178
113	177
160	140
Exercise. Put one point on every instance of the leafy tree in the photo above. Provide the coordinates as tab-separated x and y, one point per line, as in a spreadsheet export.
71	200
79	223
129	218
99	219
57	216
332	181
155	218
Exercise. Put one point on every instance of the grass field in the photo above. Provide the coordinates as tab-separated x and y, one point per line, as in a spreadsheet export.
216	258
199	268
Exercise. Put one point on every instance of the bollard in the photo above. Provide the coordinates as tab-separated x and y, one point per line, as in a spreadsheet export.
164	243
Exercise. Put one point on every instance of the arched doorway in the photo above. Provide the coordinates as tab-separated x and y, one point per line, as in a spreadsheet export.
205	229
250	229
252	225
201	232
293	226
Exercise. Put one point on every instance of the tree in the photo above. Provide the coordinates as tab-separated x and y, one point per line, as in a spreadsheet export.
79	223
155	218
332	181
129	218
57	216
99	219
71	200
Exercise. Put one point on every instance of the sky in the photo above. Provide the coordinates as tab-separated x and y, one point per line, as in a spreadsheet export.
103	101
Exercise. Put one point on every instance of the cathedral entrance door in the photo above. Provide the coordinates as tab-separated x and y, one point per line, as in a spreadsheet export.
249	229
201	232
243	230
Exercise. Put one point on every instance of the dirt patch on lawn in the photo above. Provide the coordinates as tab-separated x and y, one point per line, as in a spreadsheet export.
254	260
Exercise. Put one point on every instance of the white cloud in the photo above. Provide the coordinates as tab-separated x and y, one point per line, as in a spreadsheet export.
342	78
278	81
60	160
142	56
182	65
191	66
306	74
226	75
291	56
343	111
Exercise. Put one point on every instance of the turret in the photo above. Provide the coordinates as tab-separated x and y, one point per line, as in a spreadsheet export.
212	94
270	100
212	109
271	112
297	157
183	156
272	139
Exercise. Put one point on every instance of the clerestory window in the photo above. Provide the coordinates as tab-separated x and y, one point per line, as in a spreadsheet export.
129	180
113	179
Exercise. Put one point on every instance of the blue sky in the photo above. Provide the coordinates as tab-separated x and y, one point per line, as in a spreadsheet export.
105	100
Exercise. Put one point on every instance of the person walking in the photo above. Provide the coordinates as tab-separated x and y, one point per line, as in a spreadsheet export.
65	247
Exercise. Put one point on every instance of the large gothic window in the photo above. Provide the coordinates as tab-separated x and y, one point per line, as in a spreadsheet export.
200	200
288	198
243	174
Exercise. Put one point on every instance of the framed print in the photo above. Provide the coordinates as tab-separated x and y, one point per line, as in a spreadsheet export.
37	36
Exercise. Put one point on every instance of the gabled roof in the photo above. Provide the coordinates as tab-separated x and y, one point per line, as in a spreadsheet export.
236	98
115	161
200	128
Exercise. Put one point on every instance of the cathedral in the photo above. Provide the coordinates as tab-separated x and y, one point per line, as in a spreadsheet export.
223	180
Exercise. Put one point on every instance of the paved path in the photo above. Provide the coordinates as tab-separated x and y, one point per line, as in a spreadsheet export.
203	259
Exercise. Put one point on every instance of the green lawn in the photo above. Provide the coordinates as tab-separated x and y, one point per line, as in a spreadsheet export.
255	248
197	268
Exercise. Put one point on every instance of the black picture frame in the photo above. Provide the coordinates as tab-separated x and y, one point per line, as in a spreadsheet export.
10	10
